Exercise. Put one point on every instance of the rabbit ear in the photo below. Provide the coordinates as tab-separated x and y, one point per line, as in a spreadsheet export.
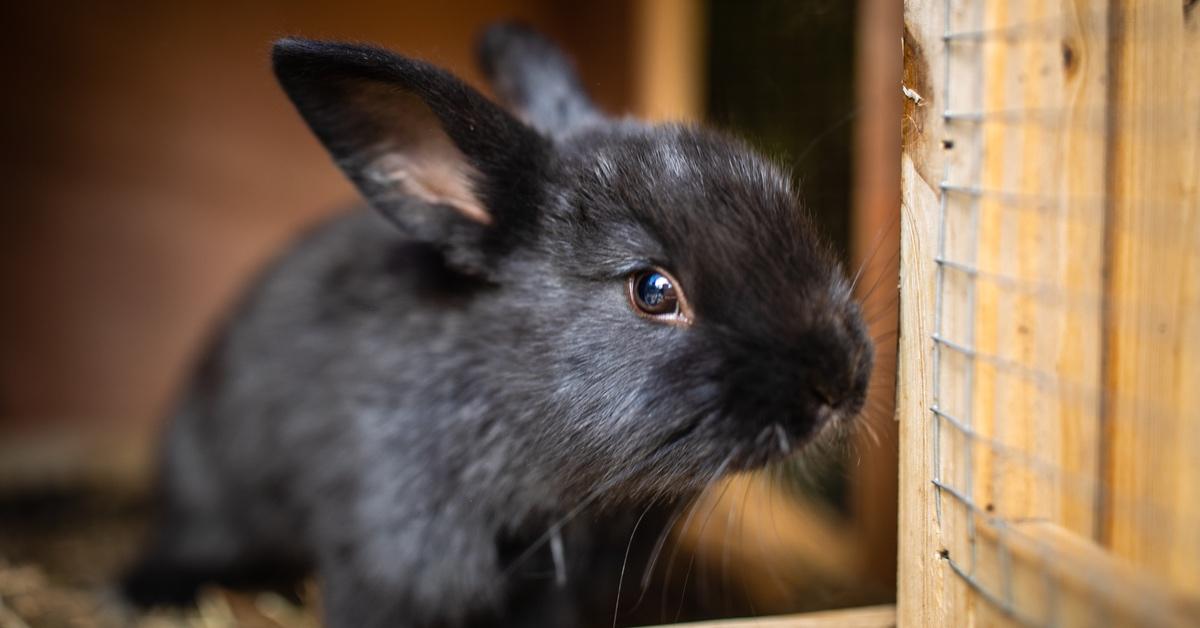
533	77
417	141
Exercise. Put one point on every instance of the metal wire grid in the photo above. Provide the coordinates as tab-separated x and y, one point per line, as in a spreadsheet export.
960	188
985	564
939	344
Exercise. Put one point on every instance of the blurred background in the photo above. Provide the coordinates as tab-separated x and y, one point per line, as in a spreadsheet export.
151	166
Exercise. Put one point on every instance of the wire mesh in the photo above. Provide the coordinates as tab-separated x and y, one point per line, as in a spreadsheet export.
1007	399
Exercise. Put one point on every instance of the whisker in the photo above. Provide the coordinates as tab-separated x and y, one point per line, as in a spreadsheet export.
823	134
878	322
588	500
885	336
625	561
874	249
876	412
777	474
659	544
691	512
895	257
688	522
871	433
882	310
692	561
671	561
762	549
723	580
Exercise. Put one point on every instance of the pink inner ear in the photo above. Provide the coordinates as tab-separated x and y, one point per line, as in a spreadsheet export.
431	178
415	157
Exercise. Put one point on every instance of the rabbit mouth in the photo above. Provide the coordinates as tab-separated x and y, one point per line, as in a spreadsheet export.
775	442
749	447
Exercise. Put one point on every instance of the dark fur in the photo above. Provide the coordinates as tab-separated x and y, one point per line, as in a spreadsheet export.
402	409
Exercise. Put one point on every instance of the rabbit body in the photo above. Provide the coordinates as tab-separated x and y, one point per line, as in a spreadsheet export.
419	390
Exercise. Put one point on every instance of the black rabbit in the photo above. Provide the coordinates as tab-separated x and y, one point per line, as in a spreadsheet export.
540	312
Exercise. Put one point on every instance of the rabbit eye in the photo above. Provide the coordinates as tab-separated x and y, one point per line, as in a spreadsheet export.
655	294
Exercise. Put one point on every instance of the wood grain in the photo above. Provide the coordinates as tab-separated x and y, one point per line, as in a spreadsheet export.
1153	370
875	251
865	617
921	598
1069	305
1037	237
669	60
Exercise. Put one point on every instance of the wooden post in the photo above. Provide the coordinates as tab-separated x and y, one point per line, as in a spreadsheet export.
921	587
1051	243
1034	237
1153	367
668	40
876	242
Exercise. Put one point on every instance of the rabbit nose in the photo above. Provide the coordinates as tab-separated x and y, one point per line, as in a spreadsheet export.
823	394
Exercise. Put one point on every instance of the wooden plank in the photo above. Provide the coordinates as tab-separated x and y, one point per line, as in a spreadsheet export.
1078	240
1021	296
1184	569
1038	251
956	467
920	593
875	251
1153	329
1083	139
864	617
921	587
920	598
669	59
1060	578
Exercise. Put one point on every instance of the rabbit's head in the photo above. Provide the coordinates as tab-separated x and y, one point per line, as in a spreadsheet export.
661	298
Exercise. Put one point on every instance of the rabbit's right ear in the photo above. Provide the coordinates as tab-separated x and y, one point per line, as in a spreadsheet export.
436	157
536	79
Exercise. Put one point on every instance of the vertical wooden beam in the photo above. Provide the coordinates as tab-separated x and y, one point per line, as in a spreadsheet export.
1038	244
876	242
669	59
1072	147
1018	300
1078	245
921	588
1153	367
921	599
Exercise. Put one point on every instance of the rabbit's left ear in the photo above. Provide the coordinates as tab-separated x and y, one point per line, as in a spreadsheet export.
432	154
